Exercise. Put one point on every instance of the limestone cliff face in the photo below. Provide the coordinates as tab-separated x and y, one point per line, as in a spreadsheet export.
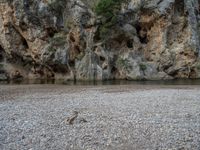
61	39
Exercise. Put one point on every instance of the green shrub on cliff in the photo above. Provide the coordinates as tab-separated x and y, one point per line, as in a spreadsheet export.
91	3
143	67
108	6
123	63
1	66
109	10
57	5
59	40
198	65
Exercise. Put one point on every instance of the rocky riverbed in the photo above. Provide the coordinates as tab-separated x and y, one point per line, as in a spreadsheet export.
99	39
39	117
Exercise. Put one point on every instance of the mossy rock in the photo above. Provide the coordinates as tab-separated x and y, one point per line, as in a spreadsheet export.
143	67
1	66
58	40
91	3
80	56
51	49
123	63
57	5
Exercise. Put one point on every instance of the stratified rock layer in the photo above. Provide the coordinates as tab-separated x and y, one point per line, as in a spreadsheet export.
151	39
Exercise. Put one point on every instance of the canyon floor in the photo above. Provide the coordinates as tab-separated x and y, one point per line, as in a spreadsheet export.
124	117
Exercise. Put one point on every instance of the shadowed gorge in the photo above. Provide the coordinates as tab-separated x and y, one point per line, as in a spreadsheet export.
100	39
99	74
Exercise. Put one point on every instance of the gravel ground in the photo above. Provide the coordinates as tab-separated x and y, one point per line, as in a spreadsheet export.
58	117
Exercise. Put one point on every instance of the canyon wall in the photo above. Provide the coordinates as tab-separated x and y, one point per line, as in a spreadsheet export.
68	39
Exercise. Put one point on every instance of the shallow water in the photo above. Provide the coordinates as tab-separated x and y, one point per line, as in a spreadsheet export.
108	82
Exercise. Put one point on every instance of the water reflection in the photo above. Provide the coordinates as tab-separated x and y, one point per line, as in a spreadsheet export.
108	82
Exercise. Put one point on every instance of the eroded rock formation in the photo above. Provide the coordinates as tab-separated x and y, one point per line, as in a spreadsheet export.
151	39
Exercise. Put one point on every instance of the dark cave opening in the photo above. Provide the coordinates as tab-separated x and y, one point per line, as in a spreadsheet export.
142	34
129	43
143	40
113	70
179	7
77	49
63	69
97	36
25	44
102	58
1	54
72	63
23	25
71	37
199	6
50	32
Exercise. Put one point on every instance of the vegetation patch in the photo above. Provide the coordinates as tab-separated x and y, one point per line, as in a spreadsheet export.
57	6
123	63
198	65
1	66
108	9
80	56
143	67
59	40
69	23
91	3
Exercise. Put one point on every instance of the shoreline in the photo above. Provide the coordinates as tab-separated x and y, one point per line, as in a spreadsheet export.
105	82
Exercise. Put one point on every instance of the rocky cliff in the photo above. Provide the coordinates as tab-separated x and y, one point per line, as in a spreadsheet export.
99	39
